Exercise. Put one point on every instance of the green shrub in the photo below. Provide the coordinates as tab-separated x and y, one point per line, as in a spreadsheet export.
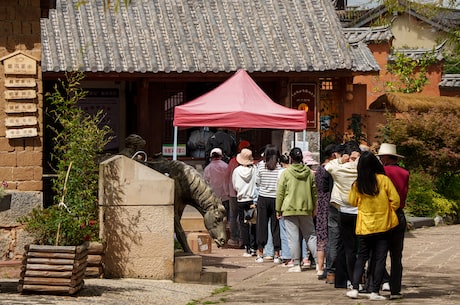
78	140
424	200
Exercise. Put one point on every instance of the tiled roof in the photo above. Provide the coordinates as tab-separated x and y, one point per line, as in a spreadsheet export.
445	19
363	59
196	35
450	81
415	54
368	34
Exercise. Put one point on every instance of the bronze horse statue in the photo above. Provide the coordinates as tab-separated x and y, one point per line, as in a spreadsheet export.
189	188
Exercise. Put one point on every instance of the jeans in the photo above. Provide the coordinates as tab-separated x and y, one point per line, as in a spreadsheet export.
298	228
247	231
377	246
268	249
285	253
395	247
333	241
265	213
350	241
233	219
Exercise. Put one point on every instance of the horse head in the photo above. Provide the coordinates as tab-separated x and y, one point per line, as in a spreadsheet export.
215	221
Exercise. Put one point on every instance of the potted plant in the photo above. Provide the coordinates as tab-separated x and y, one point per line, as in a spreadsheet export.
64	229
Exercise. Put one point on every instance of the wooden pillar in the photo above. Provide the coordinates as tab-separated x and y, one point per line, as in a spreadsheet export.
143	113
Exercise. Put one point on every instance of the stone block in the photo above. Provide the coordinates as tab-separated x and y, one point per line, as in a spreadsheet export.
213	278
184	263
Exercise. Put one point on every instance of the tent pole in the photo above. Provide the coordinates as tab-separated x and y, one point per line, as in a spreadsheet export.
175	144
304	139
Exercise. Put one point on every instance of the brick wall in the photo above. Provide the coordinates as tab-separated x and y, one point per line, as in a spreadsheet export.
21	158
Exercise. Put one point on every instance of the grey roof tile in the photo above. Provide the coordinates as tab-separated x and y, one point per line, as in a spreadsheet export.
368	34
196	35
450	81
415	54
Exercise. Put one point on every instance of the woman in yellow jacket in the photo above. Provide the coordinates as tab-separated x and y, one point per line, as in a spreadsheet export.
377	200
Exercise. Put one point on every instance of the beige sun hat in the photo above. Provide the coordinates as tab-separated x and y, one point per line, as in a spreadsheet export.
387	149
245	157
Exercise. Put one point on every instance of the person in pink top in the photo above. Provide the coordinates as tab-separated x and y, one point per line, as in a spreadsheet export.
400	178
215	173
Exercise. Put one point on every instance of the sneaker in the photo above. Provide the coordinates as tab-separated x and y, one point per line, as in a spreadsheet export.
396	296
253	252
246	254
352	294
289	263
306	263
259	259
386	286
277	260
349	285
295	269
376	297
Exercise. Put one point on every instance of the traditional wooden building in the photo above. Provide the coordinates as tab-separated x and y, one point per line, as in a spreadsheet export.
142	60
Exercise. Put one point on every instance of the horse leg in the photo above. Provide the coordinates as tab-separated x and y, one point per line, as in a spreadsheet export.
180	235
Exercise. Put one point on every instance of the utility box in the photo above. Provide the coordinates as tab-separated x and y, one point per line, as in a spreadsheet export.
137	220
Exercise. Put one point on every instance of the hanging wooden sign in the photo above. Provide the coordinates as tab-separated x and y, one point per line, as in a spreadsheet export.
12	107
20	121
16	82
21	133
20	63
20	94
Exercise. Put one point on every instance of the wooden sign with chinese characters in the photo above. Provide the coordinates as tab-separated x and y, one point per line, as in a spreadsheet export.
21	133
20	107
20	95
20	121
20	64
15	82
303	97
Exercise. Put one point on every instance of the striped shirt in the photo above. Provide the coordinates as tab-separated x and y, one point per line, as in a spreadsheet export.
267	180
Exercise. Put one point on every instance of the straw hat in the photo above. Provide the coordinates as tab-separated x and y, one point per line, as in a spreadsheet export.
245	157
387	149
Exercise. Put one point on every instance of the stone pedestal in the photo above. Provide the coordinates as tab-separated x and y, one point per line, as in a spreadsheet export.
137	220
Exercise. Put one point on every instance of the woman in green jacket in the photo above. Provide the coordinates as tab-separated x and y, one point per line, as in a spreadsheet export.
295	201
377	200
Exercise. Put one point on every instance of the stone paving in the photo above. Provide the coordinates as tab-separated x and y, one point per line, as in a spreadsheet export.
431	276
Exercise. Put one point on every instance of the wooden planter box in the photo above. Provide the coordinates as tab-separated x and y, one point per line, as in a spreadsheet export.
53	269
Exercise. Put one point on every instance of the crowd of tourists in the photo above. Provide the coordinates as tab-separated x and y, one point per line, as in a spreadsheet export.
341	216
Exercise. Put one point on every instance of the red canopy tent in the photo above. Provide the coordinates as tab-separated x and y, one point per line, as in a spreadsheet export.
237	103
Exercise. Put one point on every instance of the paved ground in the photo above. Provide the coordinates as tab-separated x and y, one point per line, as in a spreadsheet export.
431	276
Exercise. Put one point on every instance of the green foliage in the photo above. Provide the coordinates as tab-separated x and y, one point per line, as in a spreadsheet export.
425	200
430	139
78	139
411	73
357	126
